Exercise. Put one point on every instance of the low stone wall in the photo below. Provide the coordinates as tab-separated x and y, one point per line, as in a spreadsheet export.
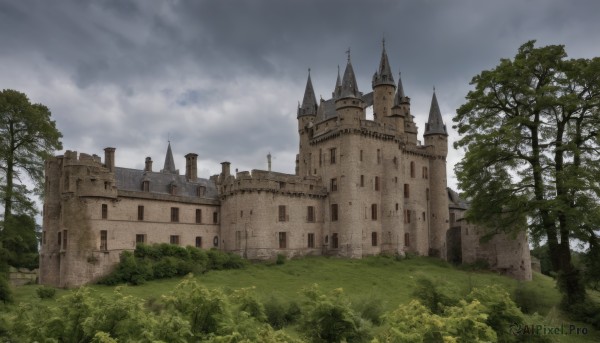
22	276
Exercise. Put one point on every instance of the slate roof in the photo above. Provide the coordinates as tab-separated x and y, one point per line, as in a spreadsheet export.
435	124
131	180
327	109
309	102
169	166
383	76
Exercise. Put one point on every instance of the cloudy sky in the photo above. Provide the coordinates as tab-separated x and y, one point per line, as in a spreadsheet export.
223	78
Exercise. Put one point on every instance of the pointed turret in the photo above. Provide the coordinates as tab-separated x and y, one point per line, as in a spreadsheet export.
383	76
400	97
435	124
338	86
169	162
309	102
349	86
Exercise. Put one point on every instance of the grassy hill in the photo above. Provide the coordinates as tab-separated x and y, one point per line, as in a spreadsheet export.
372	279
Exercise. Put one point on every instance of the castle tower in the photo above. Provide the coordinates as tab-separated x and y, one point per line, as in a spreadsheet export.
436	139
349	103
306	117
401	108
191	167
383	89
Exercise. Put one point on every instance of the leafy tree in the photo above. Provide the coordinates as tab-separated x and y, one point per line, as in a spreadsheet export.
27	137
530	134
20	241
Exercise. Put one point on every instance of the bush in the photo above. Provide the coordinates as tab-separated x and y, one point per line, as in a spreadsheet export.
429	294
5	291
276	313
527	298
46	292
370	308
280	259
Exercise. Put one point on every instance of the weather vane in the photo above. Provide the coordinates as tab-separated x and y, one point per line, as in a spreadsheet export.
348	53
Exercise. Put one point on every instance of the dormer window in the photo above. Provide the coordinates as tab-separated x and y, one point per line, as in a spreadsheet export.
200	191
173	189
146	186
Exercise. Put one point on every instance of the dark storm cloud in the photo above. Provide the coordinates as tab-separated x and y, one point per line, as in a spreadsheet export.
222	78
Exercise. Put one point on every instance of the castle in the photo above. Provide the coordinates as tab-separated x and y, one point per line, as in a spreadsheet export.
361	187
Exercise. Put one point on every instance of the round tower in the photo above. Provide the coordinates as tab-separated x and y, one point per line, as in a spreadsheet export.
348	101
306	117
383	89
436	139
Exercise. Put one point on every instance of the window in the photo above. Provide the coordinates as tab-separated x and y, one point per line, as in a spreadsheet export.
103	240
281	185
406	240
320	157
311	240
427	194
198	216
173	189
378	156
374	239
362	180
282	240
200	191
407	216
334	212
282	214
216	241
374	211
241	214
333	185
175	214
334	241
216	220
412	169
104	211
64	242
59	239
146	186
376	183
310	215
406	190
452	218
424	217
332	155
174	239
396	206
140	239
361	155
198	242
140	212
238	240
425	173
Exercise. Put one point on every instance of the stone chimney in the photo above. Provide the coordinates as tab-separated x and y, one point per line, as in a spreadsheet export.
191	167
225	169
148	166
109	158
269	162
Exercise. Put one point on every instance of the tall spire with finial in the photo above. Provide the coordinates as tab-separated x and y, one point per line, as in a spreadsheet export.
435	124
383	76
309	102
349	86
169	166
400	97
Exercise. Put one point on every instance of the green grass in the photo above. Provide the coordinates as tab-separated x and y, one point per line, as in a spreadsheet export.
369	278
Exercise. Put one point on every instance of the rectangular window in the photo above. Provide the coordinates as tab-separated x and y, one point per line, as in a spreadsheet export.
310	215
64	242
406	190
103	240
282	240
140	212
198	242
238	240
427	194
282	214
215	218
175	214
333	185
200	191
198	216
362	180
140	239
174	239
332	153
311	240
104	211
376	183
407	216
320	157
146	186
406	240
425	173
374	239
334	212
378	156
412	169
59	239
374	211
334	241
361	155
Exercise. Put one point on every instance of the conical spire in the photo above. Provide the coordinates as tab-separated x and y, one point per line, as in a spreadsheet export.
349	86
338	86
309	103
383	76
169	162
400	97
435	124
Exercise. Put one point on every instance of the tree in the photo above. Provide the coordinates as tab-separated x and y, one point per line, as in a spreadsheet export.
532	149
27	137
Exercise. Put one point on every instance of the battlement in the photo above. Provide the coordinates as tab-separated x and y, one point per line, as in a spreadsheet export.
274	182
73	158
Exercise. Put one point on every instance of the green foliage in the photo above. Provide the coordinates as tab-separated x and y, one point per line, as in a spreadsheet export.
429	294
370	308
5	291
330	318
29	136
20	242
159	261
588	312
46	292
280	259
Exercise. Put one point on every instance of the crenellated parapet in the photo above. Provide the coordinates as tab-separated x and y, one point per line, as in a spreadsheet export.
84	175
272	182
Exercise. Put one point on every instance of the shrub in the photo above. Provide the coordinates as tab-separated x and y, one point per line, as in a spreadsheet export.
429	294
46	292
276	313
5	291
527	298
370	308
280	259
